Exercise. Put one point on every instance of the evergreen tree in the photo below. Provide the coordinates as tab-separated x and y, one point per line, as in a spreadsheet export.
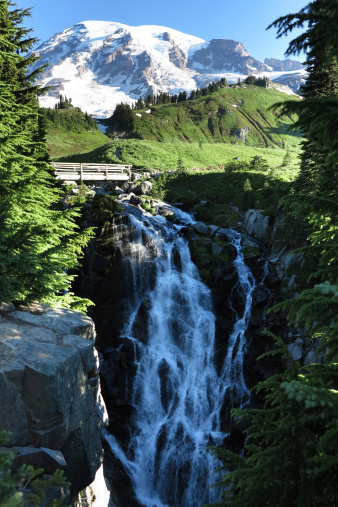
258	163
122	118
139	104
291	454
250	80
180	167
248	193
291	448
149	100
182	96
38	242
64	103
317	186
287	158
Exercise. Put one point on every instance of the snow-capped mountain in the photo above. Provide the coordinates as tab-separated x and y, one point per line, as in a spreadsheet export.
99	64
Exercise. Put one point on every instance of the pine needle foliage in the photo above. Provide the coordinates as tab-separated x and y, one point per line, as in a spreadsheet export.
291	452
316	196
38	241
25	486
290	455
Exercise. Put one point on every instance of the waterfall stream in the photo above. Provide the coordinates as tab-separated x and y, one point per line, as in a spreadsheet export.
177	392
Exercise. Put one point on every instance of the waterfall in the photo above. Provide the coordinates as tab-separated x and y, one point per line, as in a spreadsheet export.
177	392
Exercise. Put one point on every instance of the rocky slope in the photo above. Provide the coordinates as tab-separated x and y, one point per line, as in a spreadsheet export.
99	64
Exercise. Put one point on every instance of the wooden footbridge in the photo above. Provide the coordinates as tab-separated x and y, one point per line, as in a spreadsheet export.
72	171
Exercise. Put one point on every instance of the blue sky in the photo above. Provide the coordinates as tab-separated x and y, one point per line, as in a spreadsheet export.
241	20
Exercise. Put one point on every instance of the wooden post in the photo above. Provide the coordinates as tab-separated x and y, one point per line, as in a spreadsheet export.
81	173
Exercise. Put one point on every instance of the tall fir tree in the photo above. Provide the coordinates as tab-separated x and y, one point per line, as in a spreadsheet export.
315	200
290	454
291	451
38	241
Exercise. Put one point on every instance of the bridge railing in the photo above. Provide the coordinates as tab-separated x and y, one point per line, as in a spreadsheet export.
64	170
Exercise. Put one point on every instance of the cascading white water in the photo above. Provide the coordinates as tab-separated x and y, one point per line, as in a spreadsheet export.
232	372
177	392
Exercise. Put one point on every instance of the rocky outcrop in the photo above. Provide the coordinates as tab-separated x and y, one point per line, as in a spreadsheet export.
175	53
49	390
273	265
283	65
224	55
240	134
256	224
143	188
293	81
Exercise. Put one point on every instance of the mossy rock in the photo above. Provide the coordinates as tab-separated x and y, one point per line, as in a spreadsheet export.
250	252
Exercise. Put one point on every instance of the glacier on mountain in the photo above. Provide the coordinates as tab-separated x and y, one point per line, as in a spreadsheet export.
100	64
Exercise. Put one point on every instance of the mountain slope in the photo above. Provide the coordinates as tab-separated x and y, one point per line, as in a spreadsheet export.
100	64
232	115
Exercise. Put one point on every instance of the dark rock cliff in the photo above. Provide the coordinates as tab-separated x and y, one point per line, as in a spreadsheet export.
49	391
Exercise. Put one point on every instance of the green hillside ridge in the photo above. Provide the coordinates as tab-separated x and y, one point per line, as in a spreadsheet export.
217	116
70	131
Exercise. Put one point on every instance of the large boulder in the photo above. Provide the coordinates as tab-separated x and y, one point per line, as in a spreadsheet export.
135	176
49	390
144	188
125	186
132	187
134	199
260	295
256	224
41	457
212	229
200	227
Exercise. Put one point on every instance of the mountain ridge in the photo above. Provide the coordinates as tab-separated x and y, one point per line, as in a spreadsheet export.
102	63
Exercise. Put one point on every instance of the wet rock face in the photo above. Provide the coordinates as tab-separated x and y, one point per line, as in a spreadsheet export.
101	279
227	296
49	390
121	488
256	224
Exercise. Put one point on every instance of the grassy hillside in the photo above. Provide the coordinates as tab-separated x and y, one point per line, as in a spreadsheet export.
70	131
217	117
215	191
62	144
168	156
193	134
